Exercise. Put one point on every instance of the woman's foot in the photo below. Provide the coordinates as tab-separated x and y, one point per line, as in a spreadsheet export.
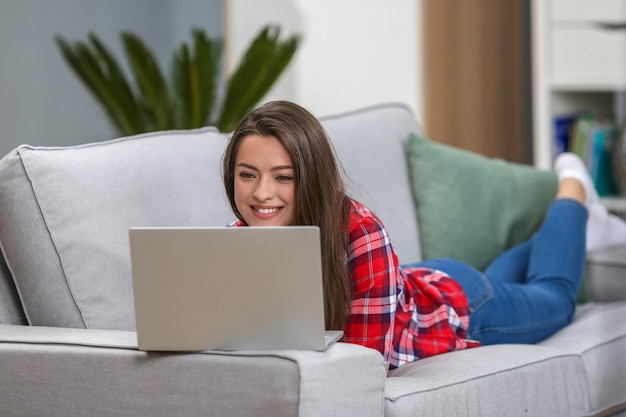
603	228
569	165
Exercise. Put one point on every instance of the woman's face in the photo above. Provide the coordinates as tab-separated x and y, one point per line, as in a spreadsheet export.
264	182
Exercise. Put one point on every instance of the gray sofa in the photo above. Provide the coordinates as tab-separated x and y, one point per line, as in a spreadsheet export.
67	345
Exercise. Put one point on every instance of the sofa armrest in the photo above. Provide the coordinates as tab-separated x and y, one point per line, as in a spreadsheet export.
606	272
48	371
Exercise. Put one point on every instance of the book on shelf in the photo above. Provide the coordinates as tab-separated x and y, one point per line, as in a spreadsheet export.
591	137
562	132
600	164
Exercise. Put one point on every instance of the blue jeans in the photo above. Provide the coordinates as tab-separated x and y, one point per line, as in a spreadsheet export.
529	292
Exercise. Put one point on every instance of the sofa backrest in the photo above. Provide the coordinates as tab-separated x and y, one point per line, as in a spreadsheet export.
66	214
11	311
371	145
66	211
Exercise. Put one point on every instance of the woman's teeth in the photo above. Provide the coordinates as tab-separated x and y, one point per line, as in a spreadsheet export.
267	211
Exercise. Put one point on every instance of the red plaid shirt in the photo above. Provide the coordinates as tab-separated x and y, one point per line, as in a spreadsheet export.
406	314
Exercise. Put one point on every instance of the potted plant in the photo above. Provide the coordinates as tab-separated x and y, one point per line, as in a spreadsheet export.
188	98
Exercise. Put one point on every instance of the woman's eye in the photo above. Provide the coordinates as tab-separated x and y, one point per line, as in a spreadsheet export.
284	178
246	175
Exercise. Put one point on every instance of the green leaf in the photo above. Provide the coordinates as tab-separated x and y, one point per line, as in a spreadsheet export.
156	103
264	61
207	58
181	68
87	67
123	94
195	77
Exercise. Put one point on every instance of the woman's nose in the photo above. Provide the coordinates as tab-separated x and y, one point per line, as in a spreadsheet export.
264	190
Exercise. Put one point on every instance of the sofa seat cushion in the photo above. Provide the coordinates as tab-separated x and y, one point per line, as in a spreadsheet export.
66	214
63	372
512	379
598	337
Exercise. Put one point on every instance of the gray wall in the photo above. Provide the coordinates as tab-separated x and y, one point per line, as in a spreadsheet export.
41	101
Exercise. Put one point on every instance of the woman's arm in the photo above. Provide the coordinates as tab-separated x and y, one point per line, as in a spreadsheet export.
376	285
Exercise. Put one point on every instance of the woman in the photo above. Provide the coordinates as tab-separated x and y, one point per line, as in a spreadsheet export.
280	169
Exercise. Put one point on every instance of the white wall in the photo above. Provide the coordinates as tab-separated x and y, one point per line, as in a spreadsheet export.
41	101
354	52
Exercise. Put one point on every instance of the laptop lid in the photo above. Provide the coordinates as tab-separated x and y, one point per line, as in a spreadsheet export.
228	288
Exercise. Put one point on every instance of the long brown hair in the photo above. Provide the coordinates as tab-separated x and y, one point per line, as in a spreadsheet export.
320	198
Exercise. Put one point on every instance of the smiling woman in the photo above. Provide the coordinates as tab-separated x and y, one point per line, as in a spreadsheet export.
268	140
280	169
264	186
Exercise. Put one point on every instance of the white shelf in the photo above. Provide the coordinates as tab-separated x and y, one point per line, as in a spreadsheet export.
590	84
576	64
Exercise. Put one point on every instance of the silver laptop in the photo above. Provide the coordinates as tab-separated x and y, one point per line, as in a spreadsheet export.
228	288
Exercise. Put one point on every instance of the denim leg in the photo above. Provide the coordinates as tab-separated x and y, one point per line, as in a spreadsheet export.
512	265
531	309
529	292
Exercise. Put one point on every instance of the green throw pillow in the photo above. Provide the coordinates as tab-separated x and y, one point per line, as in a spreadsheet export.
473	208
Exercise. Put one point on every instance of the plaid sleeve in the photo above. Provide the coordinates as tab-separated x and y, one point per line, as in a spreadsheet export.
373	267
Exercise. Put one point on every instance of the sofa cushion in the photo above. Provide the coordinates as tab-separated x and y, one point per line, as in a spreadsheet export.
10	307
598	336
371	146
66	214
606	272
514	380
472	208
63	372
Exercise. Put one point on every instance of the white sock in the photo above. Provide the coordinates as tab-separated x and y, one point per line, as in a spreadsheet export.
603	229
569	165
